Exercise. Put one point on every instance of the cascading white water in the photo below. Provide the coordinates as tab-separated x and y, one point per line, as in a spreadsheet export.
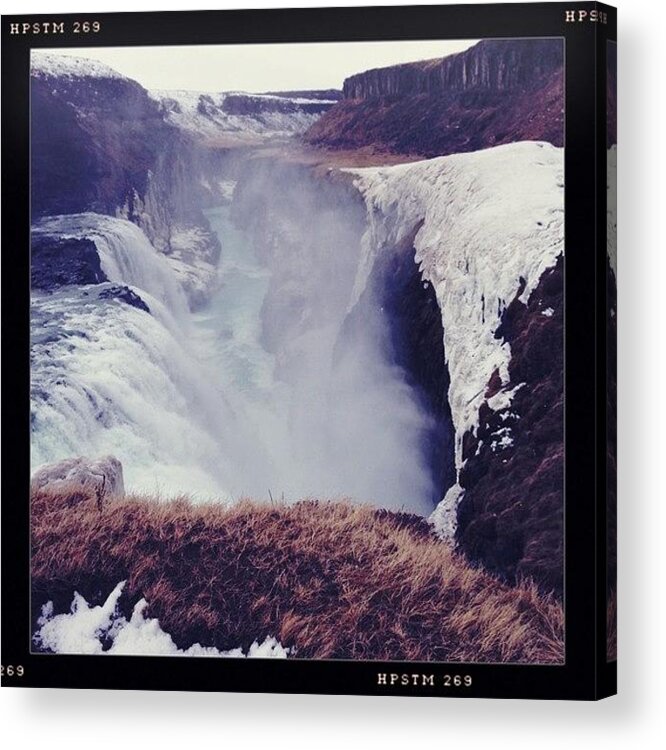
125	253
325	431
190	403
108	377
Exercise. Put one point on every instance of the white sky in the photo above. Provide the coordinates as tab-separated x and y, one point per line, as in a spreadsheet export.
260	67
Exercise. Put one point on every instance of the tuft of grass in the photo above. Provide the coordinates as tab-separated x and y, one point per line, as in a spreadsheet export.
330	579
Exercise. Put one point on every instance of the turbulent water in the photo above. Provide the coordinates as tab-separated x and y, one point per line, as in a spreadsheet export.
190	402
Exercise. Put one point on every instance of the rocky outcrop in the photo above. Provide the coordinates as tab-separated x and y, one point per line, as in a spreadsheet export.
102	475
498	91
95	144
124	294
510	516
247	104
60	261
101	144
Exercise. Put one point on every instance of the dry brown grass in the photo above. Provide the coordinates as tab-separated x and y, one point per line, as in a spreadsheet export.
332	579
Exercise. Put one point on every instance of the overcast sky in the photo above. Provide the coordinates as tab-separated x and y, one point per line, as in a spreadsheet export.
260	67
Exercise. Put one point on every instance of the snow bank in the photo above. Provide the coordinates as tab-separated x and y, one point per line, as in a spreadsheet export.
491	223
102	630
202	113
52	65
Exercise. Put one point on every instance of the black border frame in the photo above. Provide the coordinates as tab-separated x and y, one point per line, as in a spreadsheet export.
586	675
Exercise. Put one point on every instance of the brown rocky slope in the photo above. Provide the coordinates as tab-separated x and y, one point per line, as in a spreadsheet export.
498	91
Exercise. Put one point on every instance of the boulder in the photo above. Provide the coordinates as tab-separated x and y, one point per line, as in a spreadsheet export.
104	475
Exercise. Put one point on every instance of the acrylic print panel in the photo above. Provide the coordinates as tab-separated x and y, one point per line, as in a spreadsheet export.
297	351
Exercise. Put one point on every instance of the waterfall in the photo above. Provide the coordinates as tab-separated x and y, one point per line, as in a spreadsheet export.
193	403
125	253
108	377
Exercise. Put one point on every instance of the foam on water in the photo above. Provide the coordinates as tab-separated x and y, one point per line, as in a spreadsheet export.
190	403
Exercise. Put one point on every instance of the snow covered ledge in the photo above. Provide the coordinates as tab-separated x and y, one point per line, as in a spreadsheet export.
491	222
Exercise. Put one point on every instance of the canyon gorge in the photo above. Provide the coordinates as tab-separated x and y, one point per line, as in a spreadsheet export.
313	294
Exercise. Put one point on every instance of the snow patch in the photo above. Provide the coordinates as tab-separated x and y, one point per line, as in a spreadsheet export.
53	65
503	399
89	629
444	519
203	114
491	223
503	439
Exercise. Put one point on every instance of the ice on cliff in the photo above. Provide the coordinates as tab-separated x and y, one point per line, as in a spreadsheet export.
489	224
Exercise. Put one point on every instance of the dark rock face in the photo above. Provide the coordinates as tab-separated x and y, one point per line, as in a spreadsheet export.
409	309
498	91
245	104
61	261
329	95
511	515
124	294
103	145
496	65
99	136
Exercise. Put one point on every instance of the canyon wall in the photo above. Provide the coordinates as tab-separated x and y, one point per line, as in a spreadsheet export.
100	144
485	231
470	314
498	91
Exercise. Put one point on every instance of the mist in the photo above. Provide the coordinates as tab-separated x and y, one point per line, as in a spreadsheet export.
277	387
331	414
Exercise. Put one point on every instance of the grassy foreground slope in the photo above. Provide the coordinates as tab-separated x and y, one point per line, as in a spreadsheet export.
330	579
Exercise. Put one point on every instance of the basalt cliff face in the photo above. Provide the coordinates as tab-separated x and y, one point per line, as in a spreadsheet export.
498	91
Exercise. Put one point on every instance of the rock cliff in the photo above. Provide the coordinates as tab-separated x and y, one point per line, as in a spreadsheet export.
498	91
100	144
486	231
